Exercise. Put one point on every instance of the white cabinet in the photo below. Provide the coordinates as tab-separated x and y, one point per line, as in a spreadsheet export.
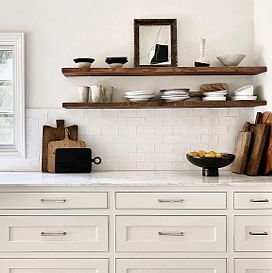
54	233
170	233
54	200
171	265
253	266
253	233
54	266
253	200
171	200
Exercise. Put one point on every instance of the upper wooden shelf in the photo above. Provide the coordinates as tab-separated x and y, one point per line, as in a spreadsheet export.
161	104
164	71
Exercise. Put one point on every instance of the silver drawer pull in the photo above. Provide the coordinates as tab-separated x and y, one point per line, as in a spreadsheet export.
171	233
259	200
62	233
53	200
259	233
170	200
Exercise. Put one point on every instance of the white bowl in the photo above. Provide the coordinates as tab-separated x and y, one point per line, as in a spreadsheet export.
116	65
220	98
244	98
247	90
231	59
84	65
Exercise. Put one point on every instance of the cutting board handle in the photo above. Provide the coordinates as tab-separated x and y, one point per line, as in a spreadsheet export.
60	123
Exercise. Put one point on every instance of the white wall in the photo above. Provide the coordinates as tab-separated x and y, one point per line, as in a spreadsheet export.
59	30
263	48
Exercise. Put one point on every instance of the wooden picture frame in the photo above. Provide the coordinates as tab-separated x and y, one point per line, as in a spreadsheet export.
155	22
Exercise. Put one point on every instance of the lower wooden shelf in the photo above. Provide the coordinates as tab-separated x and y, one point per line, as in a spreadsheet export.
161	104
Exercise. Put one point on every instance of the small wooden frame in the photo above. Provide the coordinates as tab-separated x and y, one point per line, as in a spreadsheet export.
155	22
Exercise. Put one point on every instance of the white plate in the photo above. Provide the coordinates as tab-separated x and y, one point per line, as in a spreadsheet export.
139	92
216	93
170	96
244	98
175	98
213	98
174	93
135	100
140	97
176	89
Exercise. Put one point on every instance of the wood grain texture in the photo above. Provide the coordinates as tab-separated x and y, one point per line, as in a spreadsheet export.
259	135
241	150
209	87
65	143
161	104
163	71
52	134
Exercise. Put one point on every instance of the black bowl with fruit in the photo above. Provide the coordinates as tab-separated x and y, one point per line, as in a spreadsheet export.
210	162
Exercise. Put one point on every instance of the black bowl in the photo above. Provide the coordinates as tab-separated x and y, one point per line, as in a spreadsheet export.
116	60
210	165
199	64
84	60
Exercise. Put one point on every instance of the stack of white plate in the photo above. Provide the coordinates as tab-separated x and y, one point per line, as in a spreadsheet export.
244	93
139	95
175	94
215	95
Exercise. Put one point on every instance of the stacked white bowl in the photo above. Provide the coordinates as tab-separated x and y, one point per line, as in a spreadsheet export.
244	93
175	94
219	95
139	95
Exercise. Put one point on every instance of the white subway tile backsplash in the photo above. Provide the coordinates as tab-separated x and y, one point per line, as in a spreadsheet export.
141	139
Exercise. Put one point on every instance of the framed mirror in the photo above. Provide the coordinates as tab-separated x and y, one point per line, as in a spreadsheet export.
155	42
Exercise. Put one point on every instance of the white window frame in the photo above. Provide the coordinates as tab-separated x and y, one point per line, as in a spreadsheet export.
16	41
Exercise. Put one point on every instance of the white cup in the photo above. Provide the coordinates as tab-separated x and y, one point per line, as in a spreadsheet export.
108	92
83	92
96	92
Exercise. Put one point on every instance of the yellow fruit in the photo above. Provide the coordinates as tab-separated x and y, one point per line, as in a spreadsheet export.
193	154
218	155
202	153
210	155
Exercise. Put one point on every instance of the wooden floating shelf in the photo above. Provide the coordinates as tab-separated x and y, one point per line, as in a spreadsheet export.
163	71
160	104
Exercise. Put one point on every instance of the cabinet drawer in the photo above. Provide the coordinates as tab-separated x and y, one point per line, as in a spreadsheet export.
171	200
171	265
54	266
41	200
253	200
253	266
170	233
54	233
253	233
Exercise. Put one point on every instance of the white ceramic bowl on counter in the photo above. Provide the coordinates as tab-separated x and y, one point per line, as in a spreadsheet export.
247	90
231	59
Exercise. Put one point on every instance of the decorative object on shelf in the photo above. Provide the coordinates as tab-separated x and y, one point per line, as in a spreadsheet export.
208	87
210	162
116	62
215	95
83	92
155	42
140	95
175	94
84	62
231	59
244	93
202	61
165	71
108	93
96	93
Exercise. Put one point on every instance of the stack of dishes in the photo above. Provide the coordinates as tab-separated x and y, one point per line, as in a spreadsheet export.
215	95
175	94
139	95
244	93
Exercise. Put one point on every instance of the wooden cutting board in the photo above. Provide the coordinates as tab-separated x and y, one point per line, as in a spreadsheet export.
213	87
266	162
241	150
259	136
52	134
65	143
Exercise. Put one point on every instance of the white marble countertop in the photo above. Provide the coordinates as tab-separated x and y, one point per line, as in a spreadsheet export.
131	178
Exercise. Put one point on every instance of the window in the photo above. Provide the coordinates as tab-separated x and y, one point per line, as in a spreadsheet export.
12	112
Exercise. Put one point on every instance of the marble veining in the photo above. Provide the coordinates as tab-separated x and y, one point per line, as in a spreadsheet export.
131	178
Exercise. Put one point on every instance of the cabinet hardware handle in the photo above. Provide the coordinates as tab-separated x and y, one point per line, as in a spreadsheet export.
53	200
258	233
170	200
62	233
171	233
259	200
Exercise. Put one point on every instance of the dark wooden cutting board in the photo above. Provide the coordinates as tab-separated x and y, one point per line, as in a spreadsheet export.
241	150
53	134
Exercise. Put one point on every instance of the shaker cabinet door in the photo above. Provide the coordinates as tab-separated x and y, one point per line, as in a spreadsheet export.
253	266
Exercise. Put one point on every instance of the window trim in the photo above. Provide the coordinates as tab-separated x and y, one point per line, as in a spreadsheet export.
16	40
